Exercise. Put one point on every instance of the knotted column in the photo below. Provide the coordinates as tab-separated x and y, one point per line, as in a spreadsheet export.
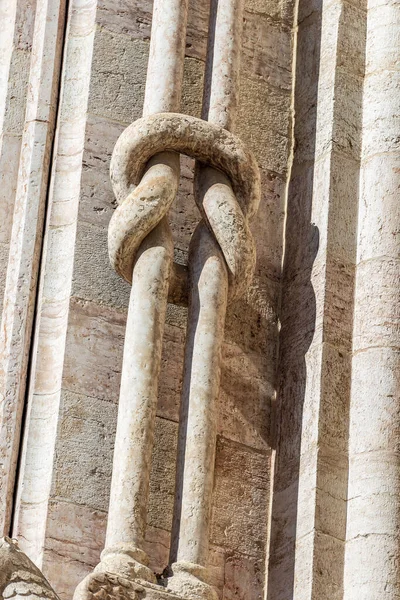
145	177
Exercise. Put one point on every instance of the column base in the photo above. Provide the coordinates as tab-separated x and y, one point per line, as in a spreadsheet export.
109	586
117	578
127	561
189	582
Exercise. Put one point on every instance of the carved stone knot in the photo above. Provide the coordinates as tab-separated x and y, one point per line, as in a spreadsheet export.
145	197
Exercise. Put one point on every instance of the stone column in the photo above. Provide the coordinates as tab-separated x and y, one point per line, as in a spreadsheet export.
372	567
208	297
127	516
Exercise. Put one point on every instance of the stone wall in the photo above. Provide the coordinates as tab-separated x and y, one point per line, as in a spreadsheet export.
305	501
73	513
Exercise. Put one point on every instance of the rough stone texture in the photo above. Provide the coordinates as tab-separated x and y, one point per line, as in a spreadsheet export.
19	577
292	508
247	379
16	33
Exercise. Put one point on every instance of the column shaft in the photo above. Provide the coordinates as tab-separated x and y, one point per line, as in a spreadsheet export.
207	298
372	568
148	299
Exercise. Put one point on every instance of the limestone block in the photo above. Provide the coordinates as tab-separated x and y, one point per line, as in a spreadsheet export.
326	576
239	521
344	187
85	443
338	297
267	51
244	578
376	416
117	90
380	120
280	577
262	123
383	37
94	356
334	412
94	278
94	350
134	19
97	202
310	495
216	568
75	539
16	98
192	88
9	162
352	37
267	229
381	551
3	268
162	478
282	10
245	398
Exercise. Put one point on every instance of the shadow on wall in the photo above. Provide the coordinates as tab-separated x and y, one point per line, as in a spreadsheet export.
298	316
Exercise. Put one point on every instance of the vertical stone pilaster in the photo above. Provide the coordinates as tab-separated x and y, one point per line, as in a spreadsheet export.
372	569
55	285
26	234
309	502
17	19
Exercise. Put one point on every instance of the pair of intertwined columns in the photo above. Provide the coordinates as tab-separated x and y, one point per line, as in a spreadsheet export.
145	178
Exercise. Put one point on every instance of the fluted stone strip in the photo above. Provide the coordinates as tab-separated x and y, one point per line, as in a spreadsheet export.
8	9
372	569
308	520
17	31
26	237
55	286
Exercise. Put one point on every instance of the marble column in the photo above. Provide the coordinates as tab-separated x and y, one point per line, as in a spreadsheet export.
126	524
372	567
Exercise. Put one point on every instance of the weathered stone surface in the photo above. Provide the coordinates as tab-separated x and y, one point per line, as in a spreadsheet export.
239	521
19	576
